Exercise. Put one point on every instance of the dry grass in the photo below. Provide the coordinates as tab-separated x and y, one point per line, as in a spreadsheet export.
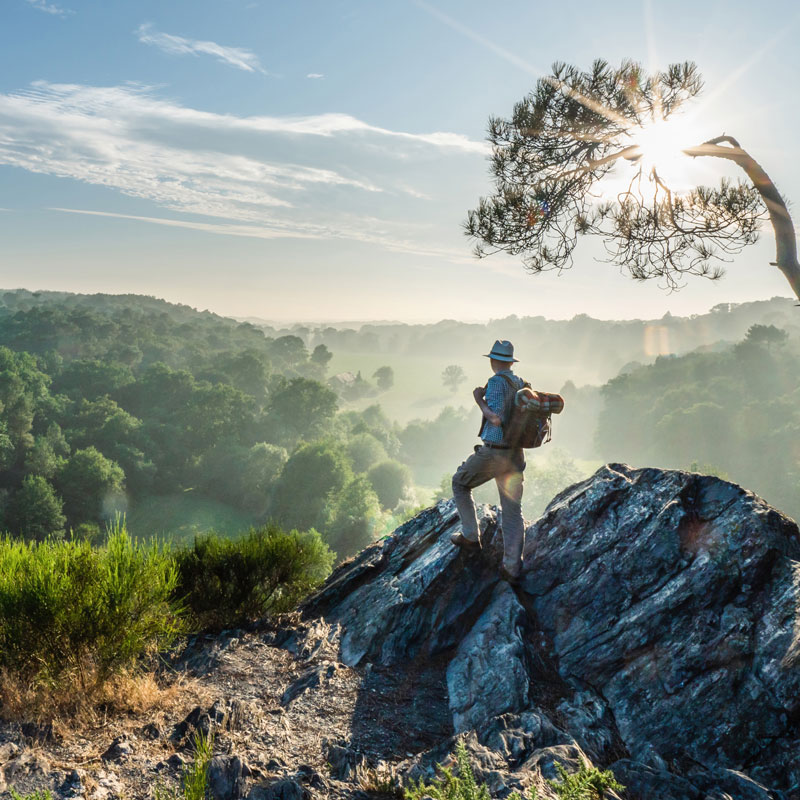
80	701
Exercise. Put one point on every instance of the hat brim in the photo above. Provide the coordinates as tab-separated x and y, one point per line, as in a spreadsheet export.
496	357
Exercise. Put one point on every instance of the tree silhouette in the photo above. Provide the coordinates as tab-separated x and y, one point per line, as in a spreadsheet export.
570	132
453	376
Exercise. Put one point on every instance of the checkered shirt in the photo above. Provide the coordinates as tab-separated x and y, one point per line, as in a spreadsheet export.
498	395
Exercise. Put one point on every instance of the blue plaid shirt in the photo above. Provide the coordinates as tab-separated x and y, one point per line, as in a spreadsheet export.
498	395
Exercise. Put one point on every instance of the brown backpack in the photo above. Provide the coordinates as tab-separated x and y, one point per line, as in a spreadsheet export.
527	422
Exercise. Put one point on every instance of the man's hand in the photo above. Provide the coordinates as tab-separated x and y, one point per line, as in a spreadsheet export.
478	393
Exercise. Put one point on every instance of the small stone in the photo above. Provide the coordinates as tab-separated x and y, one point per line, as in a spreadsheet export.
151	731
119	750
176	761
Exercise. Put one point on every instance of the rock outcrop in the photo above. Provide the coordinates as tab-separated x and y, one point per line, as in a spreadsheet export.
656	632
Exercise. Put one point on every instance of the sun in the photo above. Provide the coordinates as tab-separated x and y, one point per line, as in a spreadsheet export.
661	144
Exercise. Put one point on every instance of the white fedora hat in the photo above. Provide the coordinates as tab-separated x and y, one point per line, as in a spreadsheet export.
502	351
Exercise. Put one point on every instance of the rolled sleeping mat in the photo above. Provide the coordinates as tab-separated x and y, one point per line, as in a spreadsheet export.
539	402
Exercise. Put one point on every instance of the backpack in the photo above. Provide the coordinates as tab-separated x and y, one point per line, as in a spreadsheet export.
527	421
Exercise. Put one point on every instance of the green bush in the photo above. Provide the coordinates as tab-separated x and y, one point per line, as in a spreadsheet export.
68	607
229	581
588	783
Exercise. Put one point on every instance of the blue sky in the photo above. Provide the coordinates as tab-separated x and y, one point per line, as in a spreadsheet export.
314	160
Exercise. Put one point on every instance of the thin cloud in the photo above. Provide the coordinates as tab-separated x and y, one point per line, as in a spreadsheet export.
50	8
277	230
177	45
315	75
218	165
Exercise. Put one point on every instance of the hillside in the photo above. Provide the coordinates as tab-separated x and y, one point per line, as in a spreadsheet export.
653	633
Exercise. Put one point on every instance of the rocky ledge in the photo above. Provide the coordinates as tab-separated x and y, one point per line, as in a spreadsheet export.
654	633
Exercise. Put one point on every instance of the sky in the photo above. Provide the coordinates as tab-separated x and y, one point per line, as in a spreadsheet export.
315	159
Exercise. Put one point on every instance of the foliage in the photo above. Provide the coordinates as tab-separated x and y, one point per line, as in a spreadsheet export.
735	409
588	783
86	481
300	409
384	377
35	511
312	477
225	582
453	376
450	786
564	137
354	518
364	450
390	479
65	606
194	779
39	794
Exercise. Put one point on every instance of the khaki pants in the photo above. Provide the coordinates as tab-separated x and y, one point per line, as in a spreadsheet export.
506	467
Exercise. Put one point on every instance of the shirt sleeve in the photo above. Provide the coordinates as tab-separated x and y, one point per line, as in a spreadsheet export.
495	396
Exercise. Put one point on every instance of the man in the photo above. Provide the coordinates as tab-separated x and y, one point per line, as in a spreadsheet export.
497	459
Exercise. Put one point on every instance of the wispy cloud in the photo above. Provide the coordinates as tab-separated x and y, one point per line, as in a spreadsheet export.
276	230
50	8
315	75
177	45
243	171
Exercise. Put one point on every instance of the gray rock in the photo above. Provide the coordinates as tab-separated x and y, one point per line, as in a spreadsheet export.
312	678
645	783
225	778
8	750
27	763
176	761
671	593
119	750
655	623
414	593
489	675
345	763
280	790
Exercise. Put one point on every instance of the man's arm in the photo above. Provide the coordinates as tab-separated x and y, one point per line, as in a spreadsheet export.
488	414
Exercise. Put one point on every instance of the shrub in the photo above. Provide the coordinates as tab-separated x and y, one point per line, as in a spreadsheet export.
67	607
588	783
229	581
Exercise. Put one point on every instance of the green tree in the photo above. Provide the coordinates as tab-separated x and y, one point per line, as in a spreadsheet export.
354	518
390	479
309	486
767	335
453	376
567	135
364	450
90	484
300	408
321	357
35	511
384	377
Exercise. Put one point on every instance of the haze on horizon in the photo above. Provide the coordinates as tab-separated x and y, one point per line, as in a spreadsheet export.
315	160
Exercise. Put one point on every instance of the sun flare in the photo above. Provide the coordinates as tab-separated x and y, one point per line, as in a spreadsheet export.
661	144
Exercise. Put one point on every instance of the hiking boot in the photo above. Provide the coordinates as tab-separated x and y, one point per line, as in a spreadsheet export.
508	577
459	539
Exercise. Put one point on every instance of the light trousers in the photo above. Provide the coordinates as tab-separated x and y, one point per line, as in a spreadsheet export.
506	467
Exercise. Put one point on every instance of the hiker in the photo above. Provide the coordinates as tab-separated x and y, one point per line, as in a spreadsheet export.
495	458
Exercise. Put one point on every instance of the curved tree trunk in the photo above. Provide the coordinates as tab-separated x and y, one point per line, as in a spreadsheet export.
785	239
